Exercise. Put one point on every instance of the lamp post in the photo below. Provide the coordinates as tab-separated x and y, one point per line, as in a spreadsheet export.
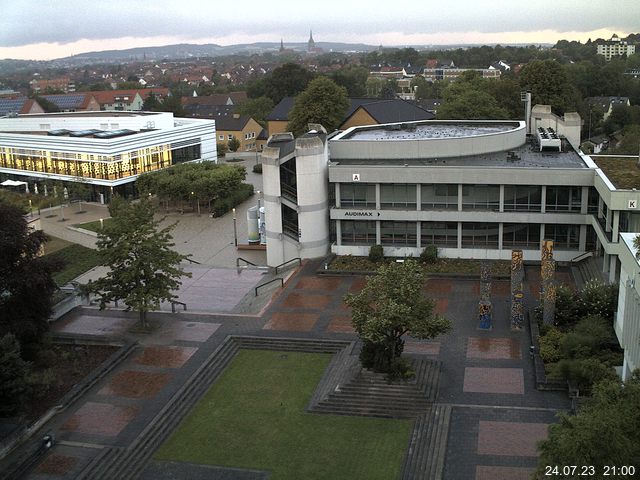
258	200
101	223
30	209
235	229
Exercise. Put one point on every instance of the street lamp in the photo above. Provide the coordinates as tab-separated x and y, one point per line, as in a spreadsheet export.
258	200
101	223
235	229
198	201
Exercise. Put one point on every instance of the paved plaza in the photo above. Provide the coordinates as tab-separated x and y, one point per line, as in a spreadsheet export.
487	376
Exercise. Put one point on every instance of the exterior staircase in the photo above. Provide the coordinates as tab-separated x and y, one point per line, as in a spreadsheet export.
588	269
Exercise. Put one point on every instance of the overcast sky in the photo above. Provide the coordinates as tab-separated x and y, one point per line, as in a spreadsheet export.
43	29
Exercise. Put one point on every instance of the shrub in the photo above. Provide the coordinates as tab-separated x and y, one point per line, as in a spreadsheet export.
376	253
583	373
588	338
13	376
42	382
597	298
550	345
257	168
429	254
223	205
222	149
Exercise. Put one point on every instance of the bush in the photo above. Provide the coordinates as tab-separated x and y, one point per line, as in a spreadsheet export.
257	168
583	373
14	388
597	298
587	339
223	205
222	149
376	253
429	255
42	382
550	345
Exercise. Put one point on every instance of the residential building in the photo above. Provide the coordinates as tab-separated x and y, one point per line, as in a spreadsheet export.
106	150
41	85
450	73
19	105
244	128
615	47
607	104
119	100
74	102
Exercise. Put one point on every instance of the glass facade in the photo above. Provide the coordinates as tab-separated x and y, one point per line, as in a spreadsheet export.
481	197
439	197
521	235
441	234
522	198
290	222
358	232
288	180
565	237
357	195
99	167
480	235
398	196
402	234
563	199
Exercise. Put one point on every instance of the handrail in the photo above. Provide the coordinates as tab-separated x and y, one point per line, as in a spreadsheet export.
246	261
192	261
173	305
267	283
582	256
289	261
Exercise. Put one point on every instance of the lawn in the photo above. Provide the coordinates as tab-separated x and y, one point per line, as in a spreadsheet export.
93	226
77	259
254	418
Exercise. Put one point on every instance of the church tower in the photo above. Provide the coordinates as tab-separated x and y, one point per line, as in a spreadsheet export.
311	45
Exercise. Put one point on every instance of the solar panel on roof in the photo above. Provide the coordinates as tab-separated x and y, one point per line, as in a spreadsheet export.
11	105
65	101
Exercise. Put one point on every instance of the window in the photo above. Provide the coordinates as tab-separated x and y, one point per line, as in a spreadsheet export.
290	222
401	234
522	198
481	197
439	197
522	235
355	232
563	199
221	137
398	196
441	234
592	204
230	137
479	235
357	195
566	237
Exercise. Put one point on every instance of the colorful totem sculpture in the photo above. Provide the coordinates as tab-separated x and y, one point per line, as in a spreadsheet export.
484	306
517	293
548	290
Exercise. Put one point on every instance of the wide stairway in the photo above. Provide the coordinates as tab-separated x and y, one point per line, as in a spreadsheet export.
371	394
587	270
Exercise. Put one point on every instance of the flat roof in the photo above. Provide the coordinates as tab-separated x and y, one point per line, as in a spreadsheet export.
623	172
101	113
525	156
427	130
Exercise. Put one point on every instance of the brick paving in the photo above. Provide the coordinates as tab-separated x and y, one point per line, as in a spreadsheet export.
497	414
57	465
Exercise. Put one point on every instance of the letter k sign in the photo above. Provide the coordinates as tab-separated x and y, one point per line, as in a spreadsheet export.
633	204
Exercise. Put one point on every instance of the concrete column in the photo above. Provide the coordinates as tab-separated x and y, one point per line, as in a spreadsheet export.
500	232
338	232
501	208
616	225
584	202
605	263
543	198
542	233
418	197
607	223
418	231
377	196
459	197
459	234
378	233
600	204
582	242
337	194
613	265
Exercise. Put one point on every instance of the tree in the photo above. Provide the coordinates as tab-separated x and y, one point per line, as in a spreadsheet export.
322	102
549	85
13	376
603	432
465	100
233	144
257	108
26	285
152	104
391	305
285	81
353	78
143	269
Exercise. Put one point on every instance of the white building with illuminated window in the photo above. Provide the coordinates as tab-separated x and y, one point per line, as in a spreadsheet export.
107	150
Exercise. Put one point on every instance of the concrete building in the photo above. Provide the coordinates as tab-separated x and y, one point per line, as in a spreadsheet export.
627	319
475	189
448	74
615	47
106	150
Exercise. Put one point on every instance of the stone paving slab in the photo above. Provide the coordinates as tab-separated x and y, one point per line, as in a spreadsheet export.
503	473
100	419
306	301
165	356
340	324
187	331
494	348
134	384
293	322
494	380
95	325
422	348
319	283
516	439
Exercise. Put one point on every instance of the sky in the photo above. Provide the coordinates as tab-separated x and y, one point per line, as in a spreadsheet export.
44	29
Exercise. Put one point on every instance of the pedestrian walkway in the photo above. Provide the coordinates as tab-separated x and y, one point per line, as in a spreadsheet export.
494	415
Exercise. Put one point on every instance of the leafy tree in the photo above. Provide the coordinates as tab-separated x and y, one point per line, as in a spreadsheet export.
26	285
353	78
13	376
322	102
233	144
257	108
465	100
152	104
285	81
47	105
222	149
143	268
629	143
603	432
391	305
549	85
